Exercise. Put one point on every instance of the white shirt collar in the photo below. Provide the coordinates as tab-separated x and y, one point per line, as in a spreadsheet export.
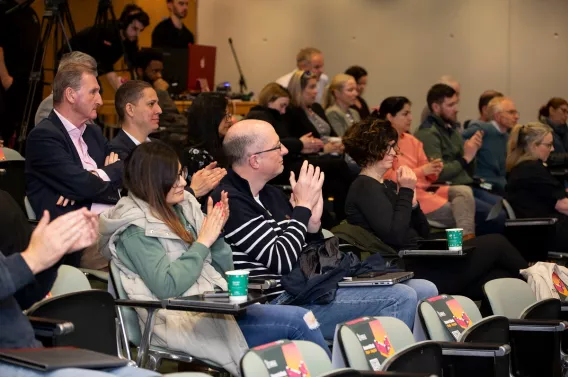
496	125
134	140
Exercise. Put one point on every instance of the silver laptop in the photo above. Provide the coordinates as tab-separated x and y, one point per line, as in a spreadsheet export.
390	278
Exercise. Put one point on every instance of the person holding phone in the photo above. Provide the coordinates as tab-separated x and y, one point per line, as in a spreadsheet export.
165	247
444	205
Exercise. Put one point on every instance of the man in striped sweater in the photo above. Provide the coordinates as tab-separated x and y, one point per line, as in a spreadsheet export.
267	232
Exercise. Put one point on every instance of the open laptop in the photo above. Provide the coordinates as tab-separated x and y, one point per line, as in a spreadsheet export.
201	68
175	69
389	278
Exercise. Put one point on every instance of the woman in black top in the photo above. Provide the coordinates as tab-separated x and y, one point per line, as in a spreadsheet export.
393	214
531	189
360	75
304	145
208	120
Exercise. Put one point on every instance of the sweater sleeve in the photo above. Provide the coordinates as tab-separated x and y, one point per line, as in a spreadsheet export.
14	275
253	235
433	149
147	257
393	222
222	256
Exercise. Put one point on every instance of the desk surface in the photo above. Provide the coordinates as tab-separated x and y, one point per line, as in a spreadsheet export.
239	108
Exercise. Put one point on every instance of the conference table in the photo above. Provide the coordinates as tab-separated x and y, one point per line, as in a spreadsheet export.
108	114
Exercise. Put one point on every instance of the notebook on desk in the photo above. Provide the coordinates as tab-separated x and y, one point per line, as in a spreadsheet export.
50	359
389	278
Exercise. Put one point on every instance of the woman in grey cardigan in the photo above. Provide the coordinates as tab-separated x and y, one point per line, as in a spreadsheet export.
341	95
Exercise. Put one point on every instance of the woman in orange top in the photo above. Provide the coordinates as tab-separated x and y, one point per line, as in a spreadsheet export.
449	206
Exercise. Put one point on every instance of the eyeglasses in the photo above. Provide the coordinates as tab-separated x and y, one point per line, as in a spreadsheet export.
393	147
278	147
513	112
548	145
184	173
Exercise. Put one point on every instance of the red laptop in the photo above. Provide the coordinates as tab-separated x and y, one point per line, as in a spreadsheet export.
201	68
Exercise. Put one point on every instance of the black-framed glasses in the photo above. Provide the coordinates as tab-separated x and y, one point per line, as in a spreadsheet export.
184	173
393	147
278	147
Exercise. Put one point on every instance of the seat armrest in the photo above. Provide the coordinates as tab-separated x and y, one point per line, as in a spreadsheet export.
539	325
474	349
139	303
531	221
564	306
48	327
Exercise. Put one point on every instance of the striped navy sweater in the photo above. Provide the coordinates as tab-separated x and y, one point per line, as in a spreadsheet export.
266	239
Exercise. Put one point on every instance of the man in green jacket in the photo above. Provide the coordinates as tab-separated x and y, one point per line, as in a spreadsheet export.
441	140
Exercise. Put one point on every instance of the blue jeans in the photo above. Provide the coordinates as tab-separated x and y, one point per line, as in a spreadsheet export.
484	201
267	323
399	301
16	371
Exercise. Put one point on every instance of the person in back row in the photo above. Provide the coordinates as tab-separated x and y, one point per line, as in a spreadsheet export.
136	104
360	75
531	189
448	206
441	140
165	247
484	100
555	114
267	232
340	97
490	159
393	213
171	32
309	59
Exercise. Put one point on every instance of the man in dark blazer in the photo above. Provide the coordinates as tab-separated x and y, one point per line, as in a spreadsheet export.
136	104
69	163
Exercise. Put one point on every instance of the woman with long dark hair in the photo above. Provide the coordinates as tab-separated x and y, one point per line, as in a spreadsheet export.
360	75
391	211
164	247
208	120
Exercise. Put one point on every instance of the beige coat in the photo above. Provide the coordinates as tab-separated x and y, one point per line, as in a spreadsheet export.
539	277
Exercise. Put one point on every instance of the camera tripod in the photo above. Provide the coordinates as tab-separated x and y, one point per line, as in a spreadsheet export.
55	17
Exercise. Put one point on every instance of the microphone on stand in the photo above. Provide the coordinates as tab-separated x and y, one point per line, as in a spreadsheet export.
242	82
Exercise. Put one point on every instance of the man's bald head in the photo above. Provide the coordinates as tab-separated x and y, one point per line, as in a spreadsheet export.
245	137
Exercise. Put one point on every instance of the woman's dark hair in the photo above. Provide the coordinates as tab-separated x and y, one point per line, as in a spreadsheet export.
357	72
555	103
369	140
130	13
392	106
150	172
203	119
